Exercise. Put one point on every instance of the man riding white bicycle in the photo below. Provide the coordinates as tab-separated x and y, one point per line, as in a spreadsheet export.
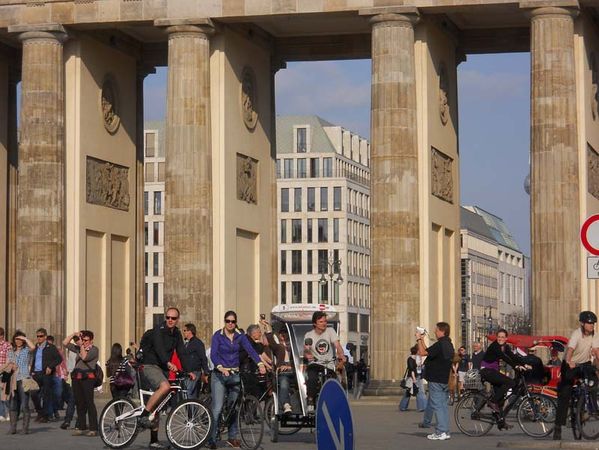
158	347
319	349
583	344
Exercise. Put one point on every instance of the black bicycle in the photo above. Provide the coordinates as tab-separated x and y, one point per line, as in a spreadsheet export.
247	411
584	406
535	413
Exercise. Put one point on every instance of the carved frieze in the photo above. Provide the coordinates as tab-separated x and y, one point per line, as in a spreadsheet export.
593	171
109	103
249	98
107	184
441	175
247	179
443	94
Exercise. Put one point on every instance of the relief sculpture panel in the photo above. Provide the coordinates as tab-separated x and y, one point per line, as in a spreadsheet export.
107	184
441	175
247	179
593	171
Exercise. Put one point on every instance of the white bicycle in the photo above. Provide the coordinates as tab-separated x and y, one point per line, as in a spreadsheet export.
188	425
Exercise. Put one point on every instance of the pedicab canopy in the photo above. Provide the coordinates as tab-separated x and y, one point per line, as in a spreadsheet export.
300	312
524	341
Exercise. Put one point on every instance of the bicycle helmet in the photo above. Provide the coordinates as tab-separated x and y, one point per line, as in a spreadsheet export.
587	317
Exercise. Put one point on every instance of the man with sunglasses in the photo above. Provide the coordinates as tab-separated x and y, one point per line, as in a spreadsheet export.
158	351
44	360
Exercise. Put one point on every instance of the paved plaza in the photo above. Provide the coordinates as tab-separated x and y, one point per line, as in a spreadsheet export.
378	426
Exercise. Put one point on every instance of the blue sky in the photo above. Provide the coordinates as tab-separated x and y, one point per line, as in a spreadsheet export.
494	121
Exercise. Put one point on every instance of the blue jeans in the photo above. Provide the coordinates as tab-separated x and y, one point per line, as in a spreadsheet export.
221	386
438	395
57	390
3	407
420	398
284	381
19	400
190	385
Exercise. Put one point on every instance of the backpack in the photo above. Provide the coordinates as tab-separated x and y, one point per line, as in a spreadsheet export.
145	344
99	374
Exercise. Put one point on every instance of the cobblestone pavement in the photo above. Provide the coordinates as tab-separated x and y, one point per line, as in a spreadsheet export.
378	425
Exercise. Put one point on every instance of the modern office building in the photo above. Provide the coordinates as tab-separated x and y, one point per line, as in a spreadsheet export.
495	277
323	181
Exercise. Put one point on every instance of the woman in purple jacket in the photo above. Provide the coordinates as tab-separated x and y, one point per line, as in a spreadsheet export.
224	353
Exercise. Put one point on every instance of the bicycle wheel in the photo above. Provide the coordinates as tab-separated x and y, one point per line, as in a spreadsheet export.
587	416
188	425
472	415
536	415
251	422
118	434
269	415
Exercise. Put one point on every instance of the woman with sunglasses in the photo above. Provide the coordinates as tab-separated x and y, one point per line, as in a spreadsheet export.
84	379
224	353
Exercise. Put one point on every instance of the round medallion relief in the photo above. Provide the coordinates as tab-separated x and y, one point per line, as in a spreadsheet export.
109	105
248	98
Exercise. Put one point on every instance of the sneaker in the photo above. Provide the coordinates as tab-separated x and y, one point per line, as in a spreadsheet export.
287	408
145	422
78	432
159	445
91	433
65	425
438	436
423	425
235	443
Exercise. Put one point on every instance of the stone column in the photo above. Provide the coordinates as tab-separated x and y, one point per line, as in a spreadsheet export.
13	164
188	203
41	196
555	211
395	260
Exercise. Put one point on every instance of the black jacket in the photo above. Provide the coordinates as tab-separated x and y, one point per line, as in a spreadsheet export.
50	358
195	356
495	352
438	361
162	346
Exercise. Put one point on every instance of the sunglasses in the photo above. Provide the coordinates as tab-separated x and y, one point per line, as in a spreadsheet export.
41	336
230	321
172	318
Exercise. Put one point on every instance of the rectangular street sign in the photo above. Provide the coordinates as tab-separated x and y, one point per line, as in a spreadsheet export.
593	267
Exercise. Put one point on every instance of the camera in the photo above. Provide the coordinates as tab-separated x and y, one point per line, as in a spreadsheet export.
262	316
421	330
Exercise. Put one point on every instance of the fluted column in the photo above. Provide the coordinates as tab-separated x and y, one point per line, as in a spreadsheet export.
13	164
395	260
41	195
555	212
188	203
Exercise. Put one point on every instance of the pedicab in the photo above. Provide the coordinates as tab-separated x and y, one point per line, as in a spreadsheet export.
297	320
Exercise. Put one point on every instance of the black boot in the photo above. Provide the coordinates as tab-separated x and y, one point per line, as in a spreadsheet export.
26	419
557	433
13	422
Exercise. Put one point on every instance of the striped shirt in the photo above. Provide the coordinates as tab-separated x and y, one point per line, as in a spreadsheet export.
21	359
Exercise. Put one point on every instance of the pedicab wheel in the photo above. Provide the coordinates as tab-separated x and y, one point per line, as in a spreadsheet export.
188	425
118	434
269	413
274	429
472	415
536	415
251	422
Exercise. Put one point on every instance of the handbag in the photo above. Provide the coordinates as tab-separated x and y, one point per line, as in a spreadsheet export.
123	381
29	384
404	382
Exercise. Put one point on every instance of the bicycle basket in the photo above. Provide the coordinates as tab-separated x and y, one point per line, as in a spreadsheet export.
473	381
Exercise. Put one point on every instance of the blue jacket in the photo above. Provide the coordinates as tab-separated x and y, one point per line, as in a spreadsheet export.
225	353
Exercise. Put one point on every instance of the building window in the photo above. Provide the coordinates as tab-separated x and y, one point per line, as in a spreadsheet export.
278	168
327	167
288	168
314	168
285	200
146	264
309	292
296	231
324	292
323	261
323	230
337	198
301	168
352	322
283	231
324	199
156	231
146	231
146	293
283	292
156	264
296	262
311	199
309	230
296	291
297	199
335	230
146	205
337	267
157	203
301	139
150	144
364	323
309	258
155	294
283	261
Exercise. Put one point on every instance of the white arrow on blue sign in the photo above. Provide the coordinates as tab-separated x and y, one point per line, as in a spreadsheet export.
334	424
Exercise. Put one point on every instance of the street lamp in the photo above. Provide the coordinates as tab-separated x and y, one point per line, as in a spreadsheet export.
334	274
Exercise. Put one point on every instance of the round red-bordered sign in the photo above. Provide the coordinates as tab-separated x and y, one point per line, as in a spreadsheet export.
584	234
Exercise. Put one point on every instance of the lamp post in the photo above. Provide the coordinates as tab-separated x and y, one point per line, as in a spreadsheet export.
334	274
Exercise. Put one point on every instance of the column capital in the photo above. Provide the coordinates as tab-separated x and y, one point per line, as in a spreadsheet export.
187	26
392	15
44	31
539	8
